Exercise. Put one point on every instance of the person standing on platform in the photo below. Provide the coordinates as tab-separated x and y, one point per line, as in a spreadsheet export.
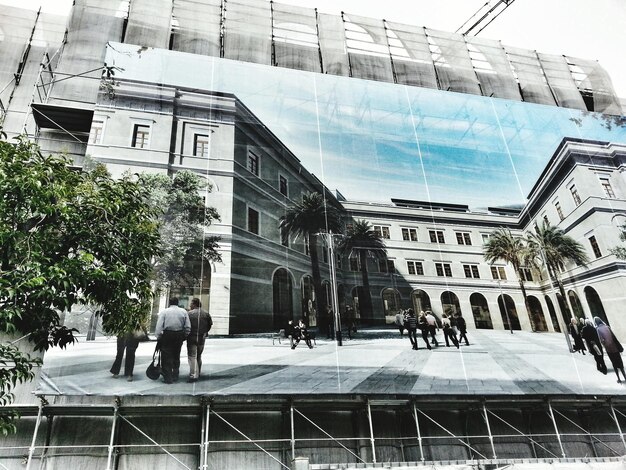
579	346
422	324
301	332
432	326
613	347
127	342
590	335
448	331
462	327
172	327
410	322
201	323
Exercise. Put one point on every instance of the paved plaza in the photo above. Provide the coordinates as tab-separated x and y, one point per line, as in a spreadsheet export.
373	362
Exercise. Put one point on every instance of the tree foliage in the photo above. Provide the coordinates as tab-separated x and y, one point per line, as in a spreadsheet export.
306	218
68	237
620	251
183	219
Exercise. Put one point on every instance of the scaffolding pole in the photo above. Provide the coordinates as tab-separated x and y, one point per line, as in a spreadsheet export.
204	454
619	428
293	433
112	438
525	435
590	435
493	447
556	429
419	434
31	449
369	418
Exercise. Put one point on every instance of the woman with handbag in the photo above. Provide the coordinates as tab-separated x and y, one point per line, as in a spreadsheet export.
612	346
590	335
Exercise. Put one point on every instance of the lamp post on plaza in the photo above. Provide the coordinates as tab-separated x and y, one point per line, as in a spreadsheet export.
506	311
330	241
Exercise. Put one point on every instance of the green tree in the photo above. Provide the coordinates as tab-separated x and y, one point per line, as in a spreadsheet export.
503	246
362	241
312	215
550	247
67	237
183	220
620	251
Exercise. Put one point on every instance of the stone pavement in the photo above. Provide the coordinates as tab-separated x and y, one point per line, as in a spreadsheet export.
374	362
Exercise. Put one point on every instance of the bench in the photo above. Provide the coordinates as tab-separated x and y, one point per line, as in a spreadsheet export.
278	336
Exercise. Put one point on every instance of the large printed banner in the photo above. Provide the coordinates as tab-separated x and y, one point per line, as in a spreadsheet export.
434	174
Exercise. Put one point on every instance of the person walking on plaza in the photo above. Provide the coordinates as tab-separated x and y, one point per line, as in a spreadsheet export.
300	332
590	335
613	347
422	324
579	346
201	323
432	326
448	331
399	322
127	342
462	327
172	327
410	322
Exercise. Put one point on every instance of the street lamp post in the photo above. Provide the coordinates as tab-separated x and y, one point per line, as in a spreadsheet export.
506	310
333	283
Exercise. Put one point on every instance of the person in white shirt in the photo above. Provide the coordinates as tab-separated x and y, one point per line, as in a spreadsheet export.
172	327
432	326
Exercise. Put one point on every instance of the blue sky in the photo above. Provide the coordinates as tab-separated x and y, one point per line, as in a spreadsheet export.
375	141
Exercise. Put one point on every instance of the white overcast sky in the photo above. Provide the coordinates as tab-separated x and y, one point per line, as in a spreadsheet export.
591	29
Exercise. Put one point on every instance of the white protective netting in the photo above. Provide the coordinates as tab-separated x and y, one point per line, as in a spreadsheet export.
368	50
333	45
452	62
295	38
412	61
92	24
197	26
149	23
493	69
561	81
591	78
248	31
530	76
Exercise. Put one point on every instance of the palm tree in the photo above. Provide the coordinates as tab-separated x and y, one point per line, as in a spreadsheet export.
502	245
361	240
307	218
552	248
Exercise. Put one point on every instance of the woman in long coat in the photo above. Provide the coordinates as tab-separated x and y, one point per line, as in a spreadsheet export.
612	346
590	335
579	346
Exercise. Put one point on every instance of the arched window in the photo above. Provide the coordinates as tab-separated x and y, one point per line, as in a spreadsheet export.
536	314
565	314
420	301
450	303
595	304
508	312
282	288
576	306
480	310
391	301
553	317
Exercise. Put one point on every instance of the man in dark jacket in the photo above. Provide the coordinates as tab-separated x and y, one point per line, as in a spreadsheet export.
462	327
201	324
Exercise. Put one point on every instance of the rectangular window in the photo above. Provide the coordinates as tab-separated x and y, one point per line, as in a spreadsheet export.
498	272
608	189
409	234
595	247
282	185
485	237
354	263
559	211
253	221
201	145
386	266
471	271
325	254
382	231
95	135
436	236
463	238
575	196
443	269
141	136
526	274
253	163
545	219
415	267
